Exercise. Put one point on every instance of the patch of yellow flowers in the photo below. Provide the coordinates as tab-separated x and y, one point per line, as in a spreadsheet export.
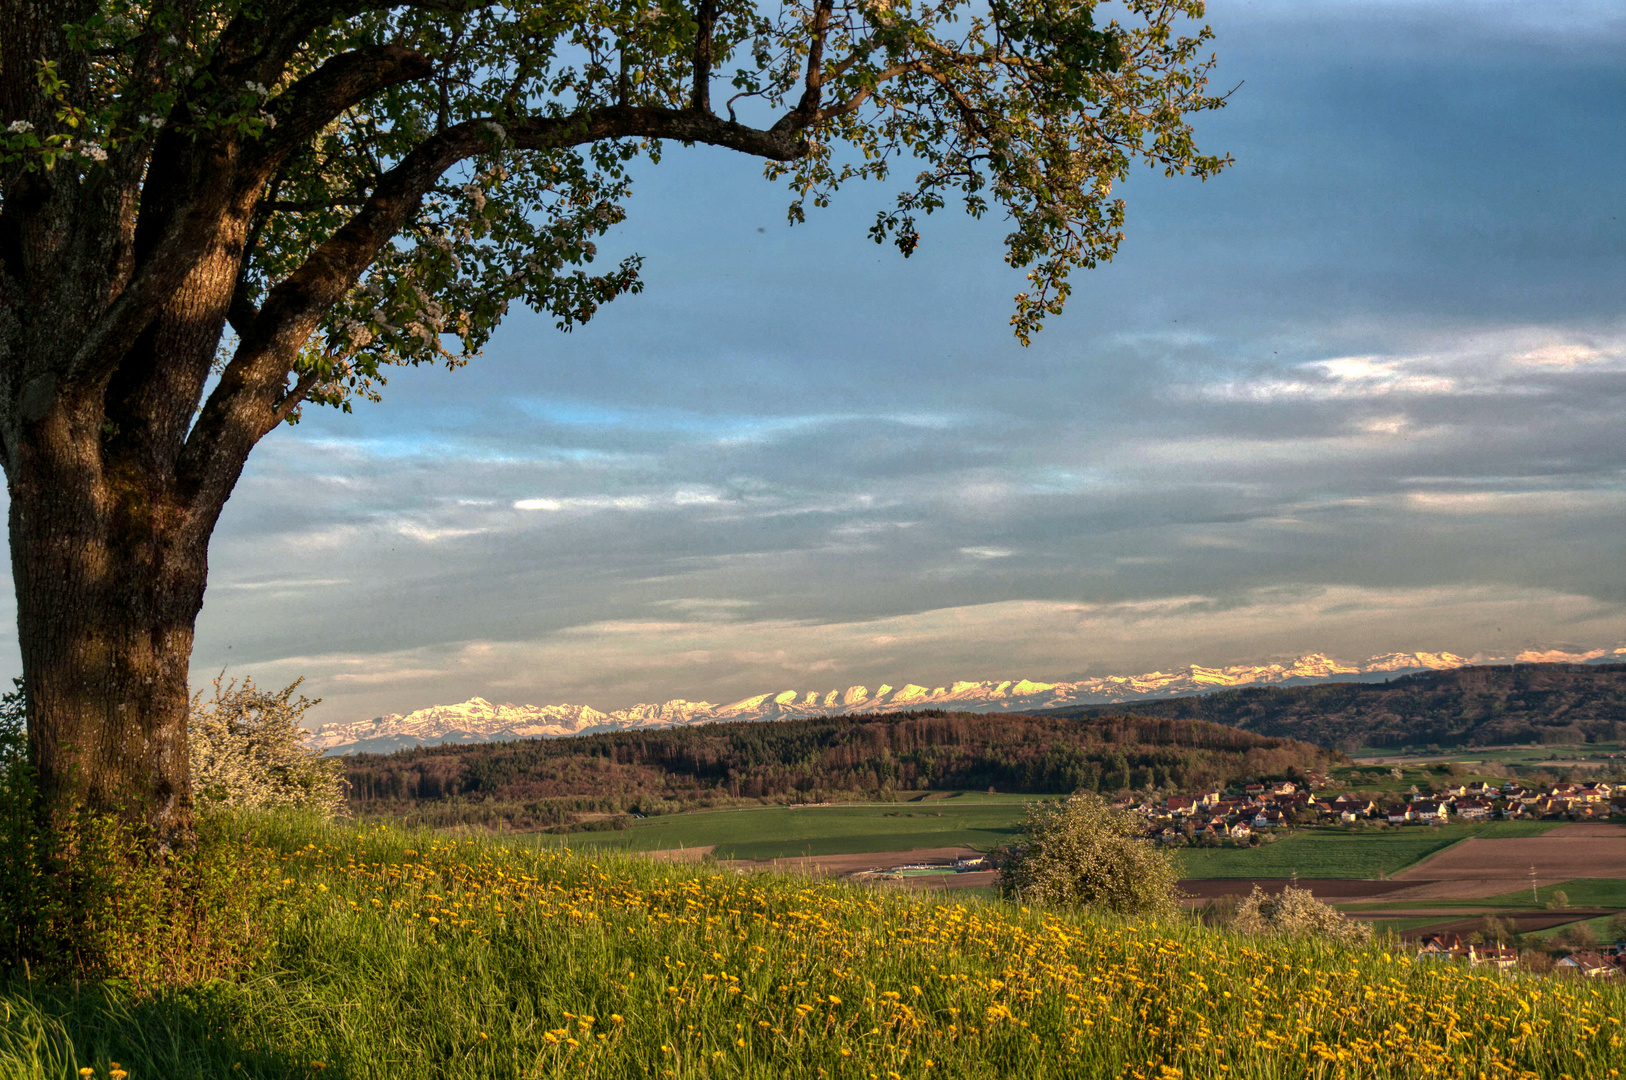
681	973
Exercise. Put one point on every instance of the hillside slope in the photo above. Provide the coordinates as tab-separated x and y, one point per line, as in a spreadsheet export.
409	956
1473	706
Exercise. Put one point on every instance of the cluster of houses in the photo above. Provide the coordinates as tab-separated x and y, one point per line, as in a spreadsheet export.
1238	815
1589	964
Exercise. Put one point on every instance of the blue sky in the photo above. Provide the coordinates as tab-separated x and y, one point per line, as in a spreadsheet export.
1363	392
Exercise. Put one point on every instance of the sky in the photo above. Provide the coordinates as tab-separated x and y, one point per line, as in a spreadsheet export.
1362	392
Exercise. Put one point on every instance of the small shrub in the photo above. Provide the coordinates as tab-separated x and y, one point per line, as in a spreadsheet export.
1558	901
1296	913
248	752
1081	853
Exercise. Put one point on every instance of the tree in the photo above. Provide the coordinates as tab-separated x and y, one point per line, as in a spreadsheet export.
215	213
1082	853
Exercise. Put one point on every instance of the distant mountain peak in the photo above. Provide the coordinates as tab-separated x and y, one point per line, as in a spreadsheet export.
478	720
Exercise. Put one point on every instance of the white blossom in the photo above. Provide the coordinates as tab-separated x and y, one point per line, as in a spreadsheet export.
17	127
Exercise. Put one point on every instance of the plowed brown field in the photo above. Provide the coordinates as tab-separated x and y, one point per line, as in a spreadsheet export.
1488	867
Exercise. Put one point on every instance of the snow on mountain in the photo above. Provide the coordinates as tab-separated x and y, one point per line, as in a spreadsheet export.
478	720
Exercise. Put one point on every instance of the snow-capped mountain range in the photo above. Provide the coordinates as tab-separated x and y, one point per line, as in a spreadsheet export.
478	720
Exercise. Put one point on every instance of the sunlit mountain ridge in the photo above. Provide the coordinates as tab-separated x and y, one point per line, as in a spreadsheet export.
479	720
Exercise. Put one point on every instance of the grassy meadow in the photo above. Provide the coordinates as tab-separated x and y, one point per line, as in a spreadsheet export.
404	955
781	832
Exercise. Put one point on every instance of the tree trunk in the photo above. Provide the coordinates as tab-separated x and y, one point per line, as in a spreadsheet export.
106	602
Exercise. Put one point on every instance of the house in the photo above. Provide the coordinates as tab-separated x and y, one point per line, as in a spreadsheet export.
1549	807
1180	804
1431	811
1597	792
1473	809
1399	814
1286	787
1268	819
1439	947
1240	831
1360	807
1452	790
1588	964
1348	817
1502	958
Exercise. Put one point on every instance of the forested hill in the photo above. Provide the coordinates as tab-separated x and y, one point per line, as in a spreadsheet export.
543	781
1477	706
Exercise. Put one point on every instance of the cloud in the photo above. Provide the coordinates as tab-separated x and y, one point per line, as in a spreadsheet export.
615	663
1516	502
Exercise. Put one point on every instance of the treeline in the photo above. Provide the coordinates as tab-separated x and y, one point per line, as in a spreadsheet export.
1471	706
544	782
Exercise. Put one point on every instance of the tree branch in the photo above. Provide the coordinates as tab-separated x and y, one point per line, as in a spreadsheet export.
245	404
706	19
807	108
310	104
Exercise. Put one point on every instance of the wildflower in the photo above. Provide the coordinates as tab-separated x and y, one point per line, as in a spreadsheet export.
17	127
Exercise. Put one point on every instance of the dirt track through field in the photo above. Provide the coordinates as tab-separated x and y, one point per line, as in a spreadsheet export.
1199	891
1479	867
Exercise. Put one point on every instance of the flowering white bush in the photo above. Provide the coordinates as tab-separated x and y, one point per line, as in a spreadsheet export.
1296	913
1081	853
248	752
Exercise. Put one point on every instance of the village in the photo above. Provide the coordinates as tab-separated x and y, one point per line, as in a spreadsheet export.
1260	813
1257	813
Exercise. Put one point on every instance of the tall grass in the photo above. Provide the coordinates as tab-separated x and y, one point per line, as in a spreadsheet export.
407	955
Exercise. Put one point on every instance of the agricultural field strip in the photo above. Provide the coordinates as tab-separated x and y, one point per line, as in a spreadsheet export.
787	832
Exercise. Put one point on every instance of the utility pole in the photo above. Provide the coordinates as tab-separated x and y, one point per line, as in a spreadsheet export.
1534	898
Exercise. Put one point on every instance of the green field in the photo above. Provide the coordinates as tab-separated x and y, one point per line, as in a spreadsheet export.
1579	893
978	821
1330	853
1530	756
984	822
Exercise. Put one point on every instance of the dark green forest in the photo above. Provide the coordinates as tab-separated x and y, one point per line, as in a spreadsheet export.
1471	706
543	782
